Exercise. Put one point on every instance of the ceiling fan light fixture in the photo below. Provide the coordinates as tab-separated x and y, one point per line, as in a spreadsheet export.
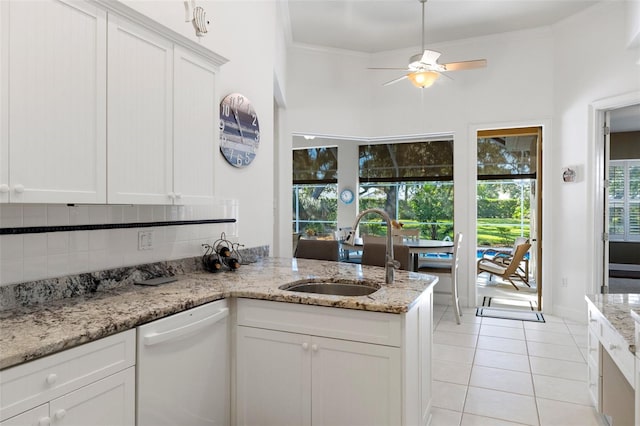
423	79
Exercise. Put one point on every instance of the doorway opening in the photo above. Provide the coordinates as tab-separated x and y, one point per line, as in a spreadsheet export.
622	200
509	218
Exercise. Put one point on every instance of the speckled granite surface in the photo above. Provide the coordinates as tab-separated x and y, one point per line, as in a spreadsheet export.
616	309
30	332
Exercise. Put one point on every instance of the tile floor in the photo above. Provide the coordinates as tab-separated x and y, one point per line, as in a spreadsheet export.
498	372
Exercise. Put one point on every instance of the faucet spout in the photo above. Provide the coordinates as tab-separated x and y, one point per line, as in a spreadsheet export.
389	263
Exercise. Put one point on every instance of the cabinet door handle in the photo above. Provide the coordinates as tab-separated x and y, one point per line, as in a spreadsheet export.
178	195
4	188
314	347
59	415
44	421
19	189
305	346
51	379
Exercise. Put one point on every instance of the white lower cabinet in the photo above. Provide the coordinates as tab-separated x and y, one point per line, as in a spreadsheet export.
281	376
311	365
92	384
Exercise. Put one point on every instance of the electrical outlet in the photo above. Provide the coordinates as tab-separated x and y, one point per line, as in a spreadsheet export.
145	240
564	282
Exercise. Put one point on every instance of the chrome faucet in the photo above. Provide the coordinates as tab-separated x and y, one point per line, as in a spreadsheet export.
389	263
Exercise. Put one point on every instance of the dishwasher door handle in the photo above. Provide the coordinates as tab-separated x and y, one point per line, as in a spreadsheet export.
155	338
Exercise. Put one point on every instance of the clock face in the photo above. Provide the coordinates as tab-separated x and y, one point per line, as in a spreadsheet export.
239	130
346	196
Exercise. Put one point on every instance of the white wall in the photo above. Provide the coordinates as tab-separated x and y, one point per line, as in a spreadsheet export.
591	62
346	99
546	76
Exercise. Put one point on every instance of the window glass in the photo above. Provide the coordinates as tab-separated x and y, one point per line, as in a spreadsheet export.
315	199
624	200
503	154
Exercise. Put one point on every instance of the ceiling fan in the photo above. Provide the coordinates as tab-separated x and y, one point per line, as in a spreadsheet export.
424	69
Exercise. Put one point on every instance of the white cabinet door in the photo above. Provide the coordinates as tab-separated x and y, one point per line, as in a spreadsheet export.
273	378
107	402
355	383
53	101
140	100
195	128
38	416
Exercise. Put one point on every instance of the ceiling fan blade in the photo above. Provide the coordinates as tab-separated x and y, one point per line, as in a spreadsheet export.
395	80
465	65
378	68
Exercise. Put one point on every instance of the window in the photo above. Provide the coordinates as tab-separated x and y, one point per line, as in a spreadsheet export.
315	187
413	182
624	200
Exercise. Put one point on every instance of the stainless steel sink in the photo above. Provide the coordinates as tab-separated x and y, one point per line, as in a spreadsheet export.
334	287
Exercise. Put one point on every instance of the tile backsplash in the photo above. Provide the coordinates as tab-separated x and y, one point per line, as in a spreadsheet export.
29	257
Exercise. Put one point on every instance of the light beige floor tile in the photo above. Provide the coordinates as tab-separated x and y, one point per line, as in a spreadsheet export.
465	318
553	327
453	353
559	368
501	405
502	345
442	417
564	390
547	336
503	360
455	339
577	329
556	413
548	350
473	420
452	372
581	341
502	380
451	326
553	319
448	395
502	322
506	332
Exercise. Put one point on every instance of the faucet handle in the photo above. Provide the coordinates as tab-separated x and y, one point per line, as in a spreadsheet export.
394	263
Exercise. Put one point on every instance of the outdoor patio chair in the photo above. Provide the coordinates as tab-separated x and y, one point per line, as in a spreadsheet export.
504	258
318	249
449	267
412	234
507	271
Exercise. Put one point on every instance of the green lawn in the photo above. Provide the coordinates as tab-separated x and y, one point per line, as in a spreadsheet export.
499	232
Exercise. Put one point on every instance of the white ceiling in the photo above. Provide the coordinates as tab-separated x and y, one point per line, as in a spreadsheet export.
379	25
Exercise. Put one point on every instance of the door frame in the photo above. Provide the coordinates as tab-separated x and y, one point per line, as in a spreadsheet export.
597	111
544	212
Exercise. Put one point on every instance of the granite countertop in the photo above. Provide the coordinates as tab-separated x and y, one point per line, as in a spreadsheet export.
618	310
31	332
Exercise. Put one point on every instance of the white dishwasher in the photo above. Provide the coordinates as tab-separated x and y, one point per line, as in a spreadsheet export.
182	373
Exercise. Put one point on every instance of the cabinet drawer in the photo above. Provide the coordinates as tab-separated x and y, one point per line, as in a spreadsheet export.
36	382
361	326
618	349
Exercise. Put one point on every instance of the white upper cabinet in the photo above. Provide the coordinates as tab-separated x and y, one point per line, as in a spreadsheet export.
194	128
52	102
140	99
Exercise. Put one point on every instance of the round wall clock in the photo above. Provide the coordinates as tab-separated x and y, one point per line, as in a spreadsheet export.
346	196
239	130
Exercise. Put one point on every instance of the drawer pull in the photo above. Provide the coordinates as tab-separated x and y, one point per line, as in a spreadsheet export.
593	320
314	347
44	421
52	379
613	346
60	414
305	346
